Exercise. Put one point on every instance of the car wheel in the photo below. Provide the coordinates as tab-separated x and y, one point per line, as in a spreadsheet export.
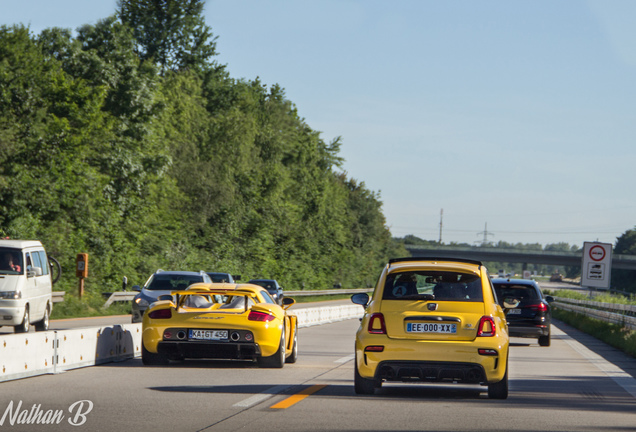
44	324
544	340
26	323
294	354
152	359
499	390
278	359
362	385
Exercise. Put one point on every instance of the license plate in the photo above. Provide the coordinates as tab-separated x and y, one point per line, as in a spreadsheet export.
208	334
514	312
431	328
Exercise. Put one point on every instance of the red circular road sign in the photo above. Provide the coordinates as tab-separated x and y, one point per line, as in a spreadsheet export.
597	253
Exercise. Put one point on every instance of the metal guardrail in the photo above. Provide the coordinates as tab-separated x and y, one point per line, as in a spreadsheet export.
58	296
609	312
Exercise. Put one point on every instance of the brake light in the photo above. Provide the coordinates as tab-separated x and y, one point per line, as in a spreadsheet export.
376	324
487	352
161	314
541	307
374	348
260	316
486	327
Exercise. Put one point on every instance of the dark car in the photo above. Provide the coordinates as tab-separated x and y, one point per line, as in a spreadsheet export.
532	316
220	277
272	287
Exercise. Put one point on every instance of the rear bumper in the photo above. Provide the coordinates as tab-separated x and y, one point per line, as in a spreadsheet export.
209	350
405	371
528	331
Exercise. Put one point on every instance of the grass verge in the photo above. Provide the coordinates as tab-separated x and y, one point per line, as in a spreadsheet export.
612	334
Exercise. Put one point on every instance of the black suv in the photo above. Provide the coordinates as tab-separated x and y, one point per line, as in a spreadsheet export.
532	316
272	287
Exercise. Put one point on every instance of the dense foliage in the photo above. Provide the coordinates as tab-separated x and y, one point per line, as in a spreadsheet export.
149	155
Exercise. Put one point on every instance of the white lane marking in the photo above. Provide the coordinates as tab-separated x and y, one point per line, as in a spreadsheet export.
345	359
260	397
619	376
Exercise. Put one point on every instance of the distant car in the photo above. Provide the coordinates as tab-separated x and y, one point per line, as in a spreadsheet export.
163	282
220	277
432	320
533	315
272	287
211	322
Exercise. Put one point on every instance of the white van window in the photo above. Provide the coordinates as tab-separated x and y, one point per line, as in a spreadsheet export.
44	261
36	260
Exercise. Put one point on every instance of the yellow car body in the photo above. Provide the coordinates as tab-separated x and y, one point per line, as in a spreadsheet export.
432	320
220	321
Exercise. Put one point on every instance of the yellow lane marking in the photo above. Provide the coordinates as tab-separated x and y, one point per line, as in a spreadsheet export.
286	403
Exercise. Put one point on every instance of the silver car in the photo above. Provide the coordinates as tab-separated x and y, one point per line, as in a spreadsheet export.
160	283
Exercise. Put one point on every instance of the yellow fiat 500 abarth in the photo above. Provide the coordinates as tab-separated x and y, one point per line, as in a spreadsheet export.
432	320
220	321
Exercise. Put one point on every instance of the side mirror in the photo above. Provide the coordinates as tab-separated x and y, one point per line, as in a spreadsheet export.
361	298
287	302
549	299
124	283
136	288
165	297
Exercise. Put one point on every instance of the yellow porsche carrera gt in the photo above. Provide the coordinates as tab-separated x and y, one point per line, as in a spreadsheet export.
220	321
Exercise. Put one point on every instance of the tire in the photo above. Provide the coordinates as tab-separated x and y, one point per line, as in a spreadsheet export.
294	354
362	385
277	360
152	359
544	340
499	390
44	324
56	269
25	326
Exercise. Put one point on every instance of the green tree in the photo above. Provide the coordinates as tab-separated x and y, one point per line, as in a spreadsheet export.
171	33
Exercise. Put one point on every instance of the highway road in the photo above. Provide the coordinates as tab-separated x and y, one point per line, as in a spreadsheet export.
577	384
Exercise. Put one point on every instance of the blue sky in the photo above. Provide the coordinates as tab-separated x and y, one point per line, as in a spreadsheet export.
519	115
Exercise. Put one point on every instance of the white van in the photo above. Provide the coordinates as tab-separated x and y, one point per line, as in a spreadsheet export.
25	285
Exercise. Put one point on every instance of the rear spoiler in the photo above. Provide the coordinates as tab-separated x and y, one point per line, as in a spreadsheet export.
426	258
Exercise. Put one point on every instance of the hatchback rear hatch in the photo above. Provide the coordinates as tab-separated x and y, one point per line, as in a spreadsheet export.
432	305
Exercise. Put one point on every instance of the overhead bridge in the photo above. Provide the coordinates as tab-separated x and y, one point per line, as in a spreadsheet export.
491	254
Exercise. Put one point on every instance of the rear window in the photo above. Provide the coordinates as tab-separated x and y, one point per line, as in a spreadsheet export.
433	285
521	292
162	282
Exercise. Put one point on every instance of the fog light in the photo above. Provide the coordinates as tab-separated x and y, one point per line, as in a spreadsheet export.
487	352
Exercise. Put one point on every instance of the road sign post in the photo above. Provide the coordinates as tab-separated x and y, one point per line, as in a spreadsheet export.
596	266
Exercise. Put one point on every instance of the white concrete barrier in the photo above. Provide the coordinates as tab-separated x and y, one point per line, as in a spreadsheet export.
54	351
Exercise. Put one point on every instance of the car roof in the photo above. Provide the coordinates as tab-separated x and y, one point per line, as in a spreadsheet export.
261	280
440	264
19	244
507	281
178	272
225	287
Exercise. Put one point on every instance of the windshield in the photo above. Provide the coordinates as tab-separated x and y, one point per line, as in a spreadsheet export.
172	282
11	261
433	285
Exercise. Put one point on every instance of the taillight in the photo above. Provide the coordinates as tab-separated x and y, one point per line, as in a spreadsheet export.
376	324
486	327
161	314
541	307
260	316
